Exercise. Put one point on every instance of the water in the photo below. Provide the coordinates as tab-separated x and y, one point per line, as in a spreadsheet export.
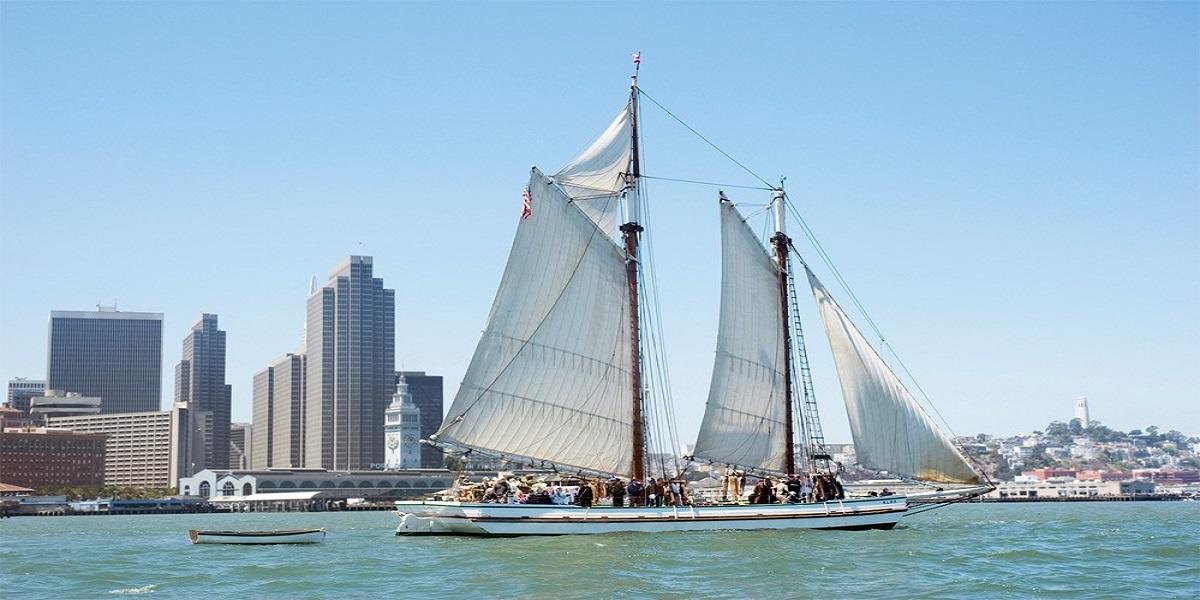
1076	550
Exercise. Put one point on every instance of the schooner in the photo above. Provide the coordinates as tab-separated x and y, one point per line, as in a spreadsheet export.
557	380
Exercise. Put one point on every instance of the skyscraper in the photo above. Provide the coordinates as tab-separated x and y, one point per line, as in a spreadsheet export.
263	409
278	406
350	363
426	393
200	382
111	354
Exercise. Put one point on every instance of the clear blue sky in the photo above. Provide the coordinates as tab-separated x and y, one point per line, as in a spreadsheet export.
1013	189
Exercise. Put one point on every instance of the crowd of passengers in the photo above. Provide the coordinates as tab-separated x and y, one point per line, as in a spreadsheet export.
653	492
511	490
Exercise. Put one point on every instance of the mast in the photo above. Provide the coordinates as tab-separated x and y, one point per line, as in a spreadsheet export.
629	232
780	241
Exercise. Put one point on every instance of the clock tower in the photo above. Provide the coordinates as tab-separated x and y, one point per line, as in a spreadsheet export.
402	430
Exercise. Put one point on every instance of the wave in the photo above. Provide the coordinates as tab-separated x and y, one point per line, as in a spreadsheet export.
145	589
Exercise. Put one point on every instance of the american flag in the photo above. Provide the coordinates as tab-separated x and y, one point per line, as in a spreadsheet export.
526	204
637	59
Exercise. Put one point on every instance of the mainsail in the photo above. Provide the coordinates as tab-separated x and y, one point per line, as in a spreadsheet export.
891	432
744	419
550	378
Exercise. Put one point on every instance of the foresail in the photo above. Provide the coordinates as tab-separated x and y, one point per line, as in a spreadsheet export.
550	377
744	418
891	431
596	177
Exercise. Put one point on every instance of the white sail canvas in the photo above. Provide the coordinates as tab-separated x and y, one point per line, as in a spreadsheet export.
596	177
891	431
744	419
550	378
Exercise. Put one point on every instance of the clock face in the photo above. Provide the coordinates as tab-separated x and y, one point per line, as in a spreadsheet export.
393	443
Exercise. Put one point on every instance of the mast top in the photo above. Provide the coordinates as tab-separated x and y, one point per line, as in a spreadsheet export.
780	216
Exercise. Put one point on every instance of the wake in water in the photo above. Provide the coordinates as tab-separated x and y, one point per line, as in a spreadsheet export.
145	589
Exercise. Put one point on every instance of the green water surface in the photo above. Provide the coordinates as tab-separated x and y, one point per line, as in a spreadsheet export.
1076	550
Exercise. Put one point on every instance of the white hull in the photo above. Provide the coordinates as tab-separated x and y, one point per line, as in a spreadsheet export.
305	536
464	518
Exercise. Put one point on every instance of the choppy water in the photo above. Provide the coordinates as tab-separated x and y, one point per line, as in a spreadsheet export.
1079	550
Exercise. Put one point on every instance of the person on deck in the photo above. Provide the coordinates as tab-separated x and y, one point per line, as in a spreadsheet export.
781	490
500	489
634	490
617	490
763	492
660	491
584	496
795	489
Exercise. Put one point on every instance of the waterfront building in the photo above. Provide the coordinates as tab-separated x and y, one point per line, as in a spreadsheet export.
1169	476
200	382
1104	475
1045	473
144	449
1069	489
402	430
350	367
43	457
1081	411
113	355
241	439
334	484
57	403
426	393
20	390
278	411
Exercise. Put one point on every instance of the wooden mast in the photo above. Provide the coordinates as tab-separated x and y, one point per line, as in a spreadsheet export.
629	232
780	240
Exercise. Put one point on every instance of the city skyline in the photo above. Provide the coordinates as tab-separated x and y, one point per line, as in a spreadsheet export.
1060	258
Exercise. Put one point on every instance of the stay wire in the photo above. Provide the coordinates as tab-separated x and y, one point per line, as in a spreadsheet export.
708	183
642	92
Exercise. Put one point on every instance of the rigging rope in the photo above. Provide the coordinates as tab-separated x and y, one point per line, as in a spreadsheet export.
642	92
708	183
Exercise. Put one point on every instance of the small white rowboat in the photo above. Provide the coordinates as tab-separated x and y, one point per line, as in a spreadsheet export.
292	536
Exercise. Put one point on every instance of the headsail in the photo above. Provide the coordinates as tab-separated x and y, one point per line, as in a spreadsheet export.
596	177
550	378
744	419
891	431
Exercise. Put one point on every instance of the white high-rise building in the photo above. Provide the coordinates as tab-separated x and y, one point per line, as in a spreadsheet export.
402	430
1081	411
